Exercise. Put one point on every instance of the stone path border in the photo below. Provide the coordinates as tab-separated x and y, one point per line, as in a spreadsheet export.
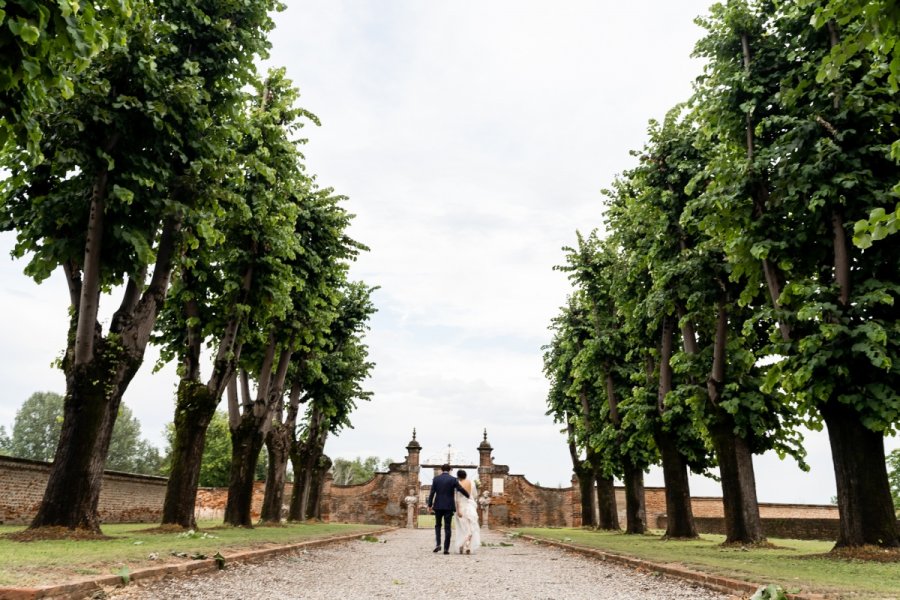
85	588
714	582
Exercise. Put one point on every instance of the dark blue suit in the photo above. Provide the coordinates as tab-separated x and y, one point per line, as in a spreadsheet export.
441	499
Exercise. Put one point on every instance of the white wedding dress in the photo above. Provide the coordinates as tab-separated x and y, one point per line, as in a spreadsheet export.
467	538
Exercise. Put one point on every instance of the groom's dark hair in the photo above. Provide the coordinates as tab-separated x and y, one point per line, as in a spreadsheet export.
445	468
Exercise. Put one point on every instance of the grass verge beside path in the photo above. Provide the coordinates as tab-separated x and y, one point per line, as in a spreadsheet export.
797	565
135	546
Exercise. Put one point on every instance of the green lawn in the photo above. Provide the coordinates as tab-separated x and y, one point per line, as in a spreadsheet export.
797	565
50	562
425	521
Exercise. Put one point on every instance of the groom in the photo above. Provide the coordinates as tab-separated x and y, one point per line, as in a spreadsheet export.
441	503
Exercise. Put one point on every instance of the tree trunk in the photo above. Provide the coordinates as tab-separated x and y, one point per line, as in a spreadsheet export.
246	443
307	493
585	480
317	484
742	522
591	475
607	511
250	427
278	443
679	514
297	453
98	371
635	507
586	485
73	488
863	491
194	410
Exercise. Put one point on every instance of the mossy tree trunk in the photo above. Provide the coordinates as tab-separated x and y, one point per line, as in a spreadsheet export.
98	371
194	410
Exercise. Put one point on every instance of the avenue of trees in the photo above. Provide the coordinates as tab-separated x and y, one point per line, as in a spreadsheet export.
747	284
147	158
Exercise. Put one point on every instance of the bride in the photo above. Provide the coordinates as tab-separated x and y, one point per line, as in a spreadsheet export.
468	535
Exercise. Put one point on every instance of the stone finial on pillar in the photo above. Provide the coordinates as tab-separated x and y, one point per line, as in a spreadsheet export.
413	449
485	464
484	452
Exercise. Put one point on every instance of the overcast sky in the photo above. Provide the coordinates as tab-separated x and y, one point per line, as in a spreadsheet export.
473	139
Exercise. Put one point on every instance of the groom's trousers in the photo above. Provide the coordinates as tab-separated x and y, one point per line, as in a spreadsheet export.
445	515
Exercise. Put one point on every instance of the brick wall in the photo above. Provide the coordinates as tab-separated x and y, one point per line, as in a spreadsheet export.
524	504
211	501
710	506
378	501
515	501
800	528
124	498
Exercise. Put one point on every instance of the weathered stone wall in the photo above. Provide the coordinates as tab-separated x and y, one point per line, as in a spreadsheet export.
379	500
124	498
524	504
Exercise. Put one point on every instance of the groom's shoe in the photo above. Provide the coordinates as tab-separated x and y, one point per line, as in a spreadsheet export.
446	552
437	549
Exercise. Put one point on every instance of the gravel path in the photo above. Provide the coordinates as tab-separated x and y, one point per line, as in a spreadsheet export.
402	566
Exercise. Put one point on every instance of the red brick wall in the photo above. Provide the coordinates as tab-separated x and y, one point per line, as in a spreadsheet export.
124	498
524	504
786	527
378	501
211	501
705	506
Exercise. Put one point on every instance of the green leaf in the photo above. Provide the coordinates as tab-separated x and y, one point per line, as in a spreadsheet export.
123	194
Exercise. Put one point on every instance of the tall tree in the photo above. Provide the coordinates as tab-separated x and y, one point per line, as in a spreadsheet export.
317	273
322	267
564	409
331	393
623	442
651	320
720	356
237	267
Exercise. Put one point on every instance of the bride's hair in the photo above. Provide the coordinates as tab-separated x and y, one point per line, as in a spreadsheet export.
460	474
